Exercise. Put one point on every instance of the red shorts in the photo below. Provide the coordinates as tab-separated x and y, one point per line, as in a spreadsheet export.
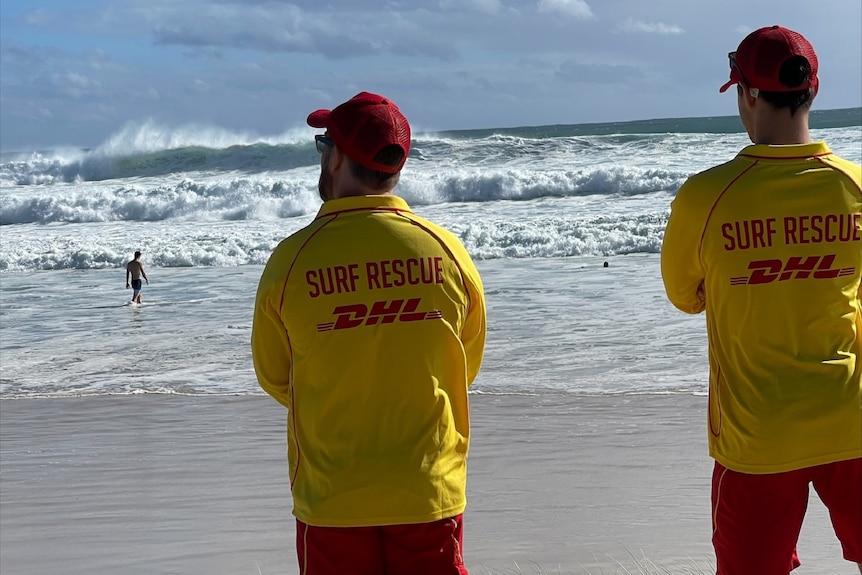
420	549
756	519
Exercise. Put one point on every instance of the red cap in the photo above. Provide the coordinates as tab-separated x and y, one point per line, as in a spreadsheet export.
364	125
761	54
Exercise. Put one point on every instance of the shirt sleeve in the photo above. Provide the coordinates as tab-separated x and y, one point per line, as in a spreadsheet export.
474	328
681	267
270	346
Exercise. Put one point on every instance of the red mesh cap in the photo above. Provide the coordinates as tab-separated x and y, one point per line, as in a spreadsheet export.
364	125
760	55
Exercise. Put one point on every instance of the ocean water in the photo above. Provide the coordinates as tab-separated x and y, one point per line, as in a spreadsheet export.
541	209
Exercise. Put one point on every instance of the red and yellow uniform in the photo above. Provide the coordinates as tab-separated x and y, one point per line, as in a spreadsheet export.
774	237
369	326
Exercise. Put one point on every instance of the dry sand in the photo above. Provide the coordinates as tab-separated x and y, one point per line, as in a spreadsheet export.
198	486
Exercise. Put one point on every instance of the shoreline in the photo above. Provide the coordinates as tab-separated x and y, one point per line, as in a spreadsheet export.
178	484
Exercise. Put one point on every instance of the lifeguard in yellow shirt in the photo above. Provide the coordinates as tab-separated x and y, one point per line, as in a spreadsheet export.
770	246
369	326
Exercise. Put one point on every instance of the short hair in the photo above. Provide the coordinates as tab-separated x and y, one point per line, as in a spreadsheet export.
137	254
390	155
795	71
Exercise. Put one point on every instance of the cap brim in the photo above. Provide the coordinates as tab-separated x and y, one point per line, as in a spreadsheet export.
318	118
724	88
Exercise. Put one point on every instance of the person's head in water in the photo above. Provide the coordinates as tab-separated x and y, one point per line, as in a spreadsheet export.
137	255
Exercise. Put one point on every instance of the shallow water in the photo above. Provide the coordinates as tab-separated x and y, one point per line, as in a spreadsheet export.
554	325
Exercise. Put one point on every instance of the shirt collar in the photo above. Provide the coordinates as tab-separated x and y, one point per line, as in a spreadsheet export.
788	152
355	203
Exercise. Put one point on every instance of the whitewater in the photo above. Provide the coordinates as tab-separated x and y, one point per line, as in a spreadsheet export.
202	197
541	209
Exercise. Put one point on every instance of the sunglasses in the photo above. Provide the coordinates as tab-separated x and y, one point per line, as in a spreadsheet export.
322	141
731	57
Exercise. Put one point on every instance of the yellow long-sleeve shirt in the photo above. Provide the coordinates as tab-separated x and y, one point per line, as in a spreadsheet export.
775	239
369	326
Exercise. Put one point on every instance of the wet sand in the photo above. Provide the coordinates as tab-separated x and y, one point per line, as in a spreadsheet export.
156	484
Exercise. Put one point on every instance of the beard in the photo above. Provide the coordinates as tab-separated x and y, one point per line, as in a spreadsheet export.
324	183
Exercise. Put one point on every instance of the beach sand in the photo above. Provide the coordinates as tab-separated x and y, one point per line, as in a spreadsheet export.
155	484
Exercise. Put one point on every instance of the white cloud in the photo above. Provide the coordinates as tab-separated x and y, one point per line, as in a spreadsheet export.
284	28
575	8
631	25
484	6
199	86
78	81
572	71
75	85
39	17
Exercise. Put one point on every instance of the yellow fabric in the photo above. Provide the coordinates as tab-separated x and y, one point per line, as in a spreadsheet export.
775	237
369	326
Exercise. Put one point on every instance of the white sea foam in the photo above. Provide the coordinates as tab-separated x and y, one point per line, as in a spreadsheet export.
506	196
539	212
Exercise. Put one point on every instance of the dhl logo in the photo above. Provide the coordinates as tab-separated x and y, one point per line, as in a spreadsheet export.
796	268
381	312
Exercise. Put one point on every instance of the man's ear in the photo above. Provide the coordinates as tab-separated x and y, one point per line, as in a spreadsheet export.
750	94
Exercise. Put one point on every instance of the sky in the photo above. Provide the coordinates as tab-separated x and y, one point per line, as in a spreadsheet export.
79	72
